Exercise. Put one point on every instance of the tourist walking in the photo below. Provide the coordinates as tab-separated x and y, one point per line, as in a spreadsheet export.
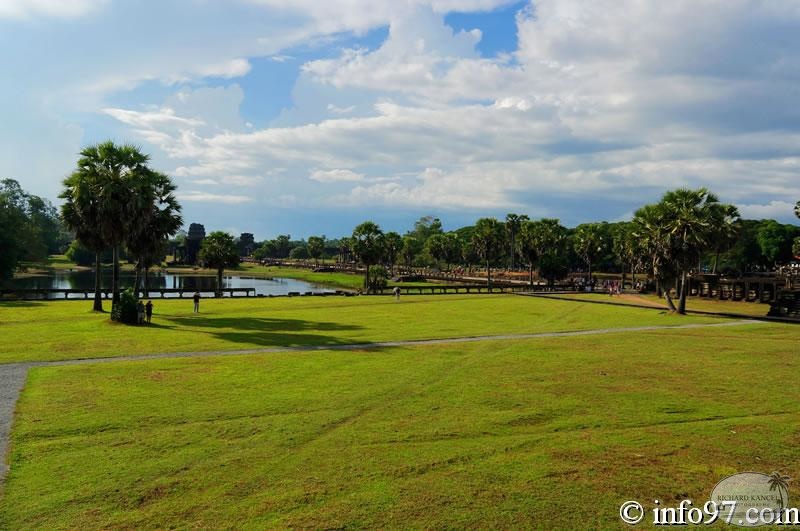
196	302
148	310
139	313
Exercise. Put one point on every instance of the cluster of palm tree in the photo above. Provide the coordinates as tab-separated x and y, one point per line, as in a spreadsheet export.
674	233
114	199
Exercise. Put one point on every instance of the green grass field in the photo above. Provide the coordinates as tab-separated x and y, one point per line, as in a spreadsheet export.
536	433
43	331
545	433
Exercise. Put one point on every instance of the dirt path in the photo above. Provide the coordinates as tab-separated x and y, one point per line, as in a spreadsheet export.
12	376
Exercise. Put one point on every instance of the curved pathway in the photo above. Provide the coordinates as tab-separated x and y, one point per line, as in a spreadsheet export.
13	375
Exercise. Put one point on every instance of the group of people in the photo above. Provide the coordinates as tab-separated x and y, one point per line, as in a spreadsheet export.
613	287
145	311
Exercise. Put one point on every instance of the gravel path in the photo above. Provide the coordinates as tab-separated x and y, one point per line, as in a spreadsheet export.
12	376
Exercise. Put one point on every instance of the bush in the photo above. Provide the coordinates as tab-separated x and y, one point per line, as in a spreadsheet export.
378	278
125	311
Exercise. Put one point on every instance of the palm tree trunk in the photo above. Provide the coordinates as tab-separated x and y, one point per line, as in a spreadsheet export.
716	259
366	278
684	289
219	282
137	280
670	304
530	274
146	291
98	298
115	278
488	275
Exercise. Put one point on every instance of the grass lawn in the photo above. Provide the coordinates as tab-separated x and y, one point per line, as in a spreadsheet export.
548	433
38	331
751	309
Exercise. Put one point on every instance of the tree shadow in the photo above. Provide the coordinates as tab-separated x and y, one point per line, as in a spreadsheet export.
265	332
10	303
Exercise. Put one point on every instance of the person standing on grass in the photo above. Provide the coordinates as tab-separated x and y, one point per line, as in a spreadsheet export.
139	313
148	310
396	291
196	302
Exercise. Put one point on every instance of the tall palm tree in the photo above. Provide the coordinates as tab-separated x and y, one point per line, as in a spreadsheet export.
366	244
513	225
118	171
690	221
726	229
590	243
486	241
649	230
159	219
81	215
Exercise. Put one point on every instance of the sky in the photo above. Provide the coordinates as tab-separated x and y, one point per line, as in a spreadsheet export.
306	117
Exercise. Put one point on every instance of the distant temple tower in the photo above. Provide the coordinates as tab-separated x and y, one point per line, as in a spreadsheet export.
196	235
247	244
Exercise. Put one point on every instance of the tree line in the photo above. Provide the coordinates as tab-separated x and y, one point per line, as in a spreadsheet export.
30	228
686	231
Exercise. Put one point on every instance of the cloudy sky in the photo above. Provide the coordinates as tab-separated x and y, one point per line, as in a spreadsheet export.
309	116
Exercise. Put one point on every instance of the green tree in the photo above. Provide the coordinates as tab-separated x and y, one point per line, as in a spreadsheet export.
541	243
487	240
12	222
775	241
436	247
425	227
119	173
650	230
81	214
411	249
591	243
316	248
366	243
218	251
283	244
513	224
160	218
299	252
392	248
626	249
675	232
726	229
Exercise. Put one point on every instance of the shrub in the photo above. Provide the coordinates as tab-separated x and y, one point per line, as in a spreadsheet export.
125	311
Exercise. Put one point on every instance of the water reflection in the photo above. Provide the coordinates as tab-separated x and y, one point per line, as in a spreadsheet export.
84	280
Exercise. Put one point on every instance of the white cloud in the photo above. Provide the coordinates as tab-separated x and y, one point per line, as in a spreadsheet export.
48	8
606	99
332	176
773	209
205	197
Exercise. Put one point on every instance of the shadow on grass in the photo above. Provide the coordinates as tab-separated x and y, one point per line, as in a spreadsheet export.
19	303
264	332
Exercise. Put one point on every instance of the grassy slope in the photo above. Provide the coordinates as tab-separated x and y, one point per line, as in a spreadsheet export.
68	329
546	433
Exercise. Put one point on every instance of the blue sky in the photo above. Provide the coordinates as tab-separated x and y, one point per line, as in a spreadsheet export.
306	118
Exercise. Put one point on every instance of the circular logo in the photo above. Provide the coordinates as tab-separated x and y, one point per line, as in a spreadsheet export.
751	499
